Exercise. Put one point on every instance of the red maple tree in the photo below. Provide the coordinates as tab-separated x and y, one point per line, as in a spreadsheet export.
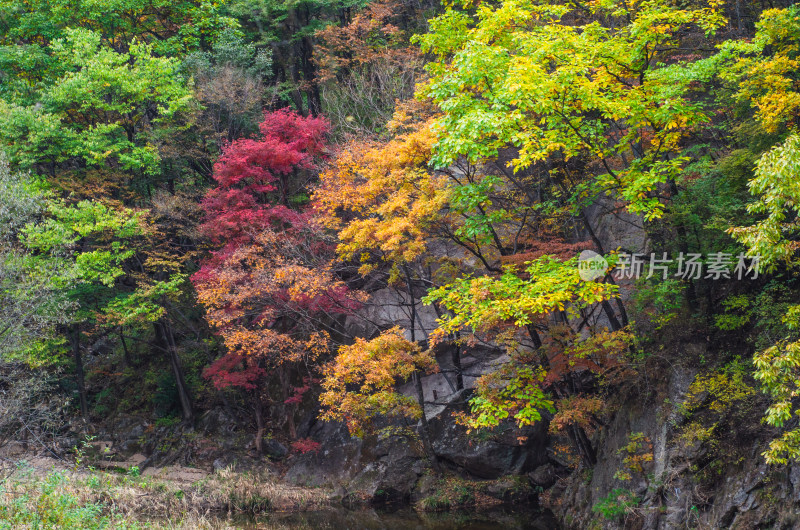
269	288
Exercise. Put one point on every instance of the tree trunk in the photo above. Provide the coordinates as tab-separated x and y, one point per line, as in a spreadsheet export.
583	445
24	435
537	345
259	412
75	338
177	370
127	353
612	318
287	408
425	434
622	313
455	355
683	246
609	311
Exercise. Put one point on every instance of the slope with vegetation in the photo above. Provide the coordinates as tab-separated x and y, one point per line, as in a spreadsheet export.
252	228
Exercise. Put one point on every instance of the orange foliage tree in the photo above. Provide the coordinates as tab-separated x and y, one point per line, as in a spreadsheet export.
367	64
474	235
360	384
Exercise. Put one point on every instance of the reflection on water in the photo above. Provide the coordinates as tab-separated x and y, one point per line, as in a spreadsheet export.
405	519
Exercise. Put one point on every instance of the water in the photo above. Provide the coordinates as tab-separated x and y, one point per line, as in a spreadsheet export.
405	519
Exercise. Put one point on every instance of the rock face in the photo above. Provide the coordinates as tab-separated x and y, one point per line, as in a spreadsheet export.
388	308
513	452
275	450
336	461
385	469
615	228
389	468
741	496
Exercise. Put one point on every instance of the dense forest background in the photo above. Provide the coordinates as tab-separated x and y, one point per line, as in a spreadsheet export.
307	210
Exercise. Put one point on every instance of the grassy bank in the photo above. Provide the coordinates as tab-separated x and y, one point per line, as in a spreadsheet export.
62	498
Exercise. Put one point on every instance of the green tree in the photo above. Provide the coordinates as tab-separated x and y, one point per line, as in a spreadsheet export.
32	307
764	73
774	240
288	27
83	246
174	27
102	110
530	75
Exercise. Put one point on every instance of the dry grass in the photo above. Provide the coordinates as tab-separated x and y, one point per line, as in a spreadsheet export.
91	499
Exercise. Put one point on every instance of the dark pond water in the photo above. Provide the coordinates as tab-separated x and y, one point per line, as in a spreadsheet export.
340	519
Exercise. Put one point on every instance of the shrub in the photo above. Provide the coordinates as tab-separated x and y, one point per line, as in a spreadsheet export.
619	502
304	445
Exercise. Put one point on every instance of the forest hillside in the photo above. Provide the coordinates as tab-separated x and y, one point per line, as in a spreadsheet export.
296	255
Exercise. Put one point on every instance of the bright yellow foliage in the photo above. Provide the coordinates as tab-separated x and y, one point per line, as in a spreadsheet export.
360	383
386	192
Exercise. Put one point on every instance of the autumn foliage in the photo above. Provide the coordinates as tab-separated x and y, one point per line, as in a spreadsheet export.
257	178
381	196
372	36
360	385
304	208
269	291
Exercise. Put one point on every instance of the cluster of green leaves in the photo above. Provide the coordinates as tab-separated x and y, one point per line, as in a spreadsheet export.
76	251
59	260
512	390
551	285
98	109
91	233
51	506
619	502
548	285
524	74
175	27
31	309
768	76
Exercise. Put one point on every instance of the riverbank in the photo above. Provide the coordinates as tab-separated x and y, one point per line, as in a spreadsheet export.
44	492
